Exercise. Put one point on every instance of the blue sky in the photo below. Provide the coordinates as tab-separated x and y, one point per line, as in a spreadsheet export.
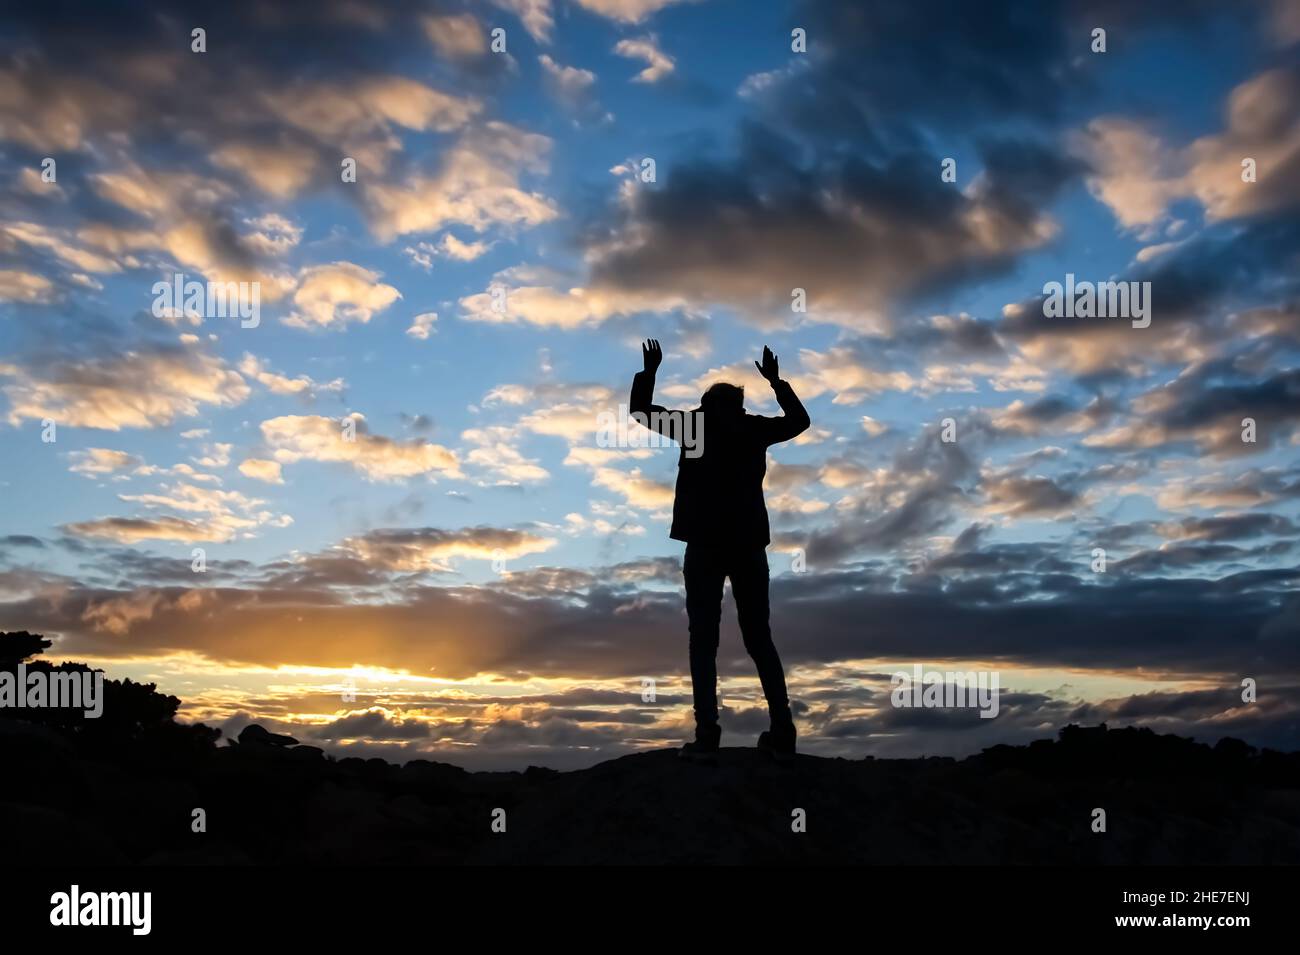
499	584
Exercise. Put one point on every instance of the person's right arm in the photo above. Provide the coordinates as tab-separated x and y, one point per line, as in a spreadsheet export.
641	404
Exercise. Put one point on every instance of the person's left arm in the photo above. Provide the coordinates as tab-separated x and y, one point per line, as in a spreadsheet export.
794	421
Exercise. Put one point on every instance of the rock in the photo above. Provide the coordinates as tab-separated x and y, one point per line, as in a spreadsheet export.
268	801
255	735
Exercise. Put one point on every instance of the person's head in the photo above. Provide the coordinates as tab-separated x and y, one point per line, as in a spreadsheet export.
724	399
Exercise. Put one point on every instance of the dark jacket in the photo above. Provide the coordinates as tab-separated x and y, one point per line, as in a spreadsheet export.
719	498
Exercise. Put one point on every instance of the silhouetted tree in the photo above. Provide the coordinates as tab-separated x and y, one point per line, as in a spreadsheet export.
133	713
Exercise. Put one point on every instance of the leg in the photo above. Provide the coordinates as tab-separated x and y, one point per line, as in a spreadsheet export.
704	576
749	580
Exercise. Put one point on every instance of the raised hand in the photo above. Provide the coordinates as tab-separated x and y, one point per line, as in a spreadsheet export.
769	368
651	354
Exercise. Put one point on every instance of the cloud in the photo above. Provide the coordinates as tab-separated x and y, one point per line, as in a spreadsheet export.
61	245
313	86
18	286
276	235
1227	527
574	308
303	386
159	86
857	236
214	456
534	14
627	11
877	71
579	524
497	454
279	170
1192	627
1249	488
842	372
331	296
376	723
1226	289
450	247
576	422
99	462
1285	25
477	185
131	530
569	84
547	394
455	35
341	112
1021	495
658	63
638	490
184	215
1207	405
1139	177
144	388
422	325
414	549
76	104
1052	415
891	509
260	469
315	438
538	17
223	516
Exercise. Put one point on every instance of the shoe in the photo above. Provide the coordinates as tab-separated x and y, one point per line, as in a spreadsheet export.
704	748
778	742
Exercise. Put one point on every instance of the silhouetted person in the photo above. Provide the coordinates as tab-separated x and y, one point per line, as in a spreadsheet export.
719	513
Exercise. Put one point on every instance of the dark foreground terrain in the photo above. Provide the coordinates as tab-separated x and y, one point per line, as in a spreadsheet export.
122	789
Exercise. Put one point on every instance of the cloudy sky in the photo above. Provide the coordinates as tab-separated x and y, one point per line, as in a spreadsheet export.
496	584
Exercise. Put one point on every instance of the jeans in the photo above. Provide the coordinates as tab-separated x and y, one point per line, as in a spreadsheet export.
705	567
